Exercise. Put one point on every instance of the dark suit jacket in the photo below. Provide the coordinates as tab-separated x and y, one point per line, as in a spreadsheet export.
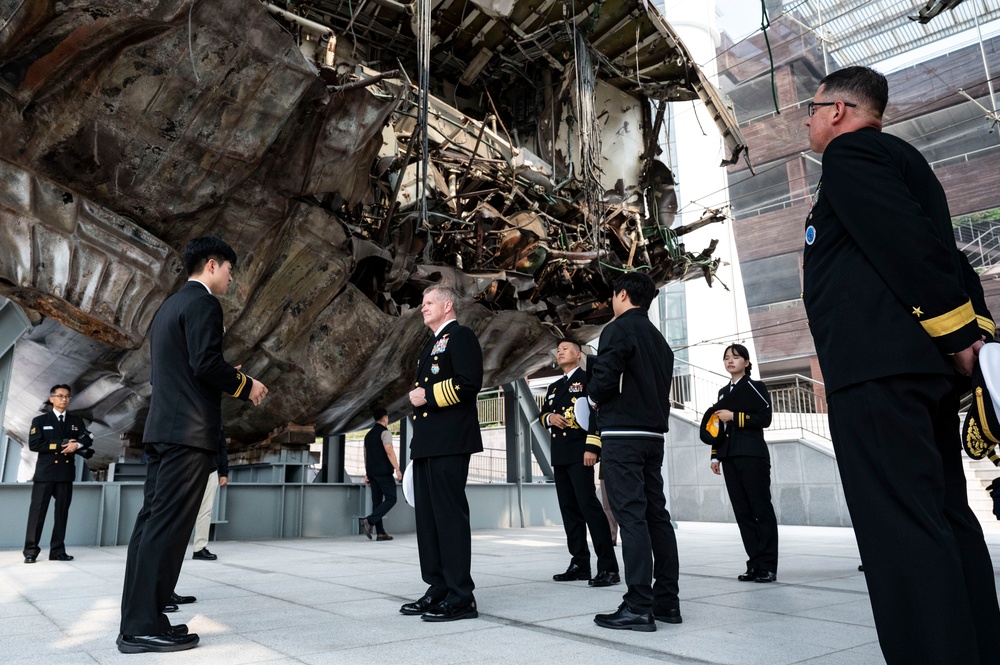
189	373
751	407
450	369
569	444
886	290
46	437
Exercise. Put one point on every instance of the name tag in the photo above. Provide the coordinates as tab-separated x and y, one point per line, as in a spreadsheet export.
47	427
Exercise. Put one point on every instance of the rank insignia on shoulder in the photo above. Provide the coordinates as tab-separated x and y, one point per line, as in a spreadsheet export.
33	430
435	369
440	345
576	387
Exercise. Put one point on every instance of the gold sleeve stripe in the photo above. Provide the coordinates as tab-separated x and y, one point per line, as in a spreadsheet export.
951	321
444	393
439	397
243	383
740	423
452	391
593	440
987	325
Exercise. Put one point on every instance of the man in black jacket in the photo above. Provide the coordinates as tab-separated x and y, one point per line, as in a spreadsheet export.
445	436
898	317
57	437
381	474
574	454
631	389
188	376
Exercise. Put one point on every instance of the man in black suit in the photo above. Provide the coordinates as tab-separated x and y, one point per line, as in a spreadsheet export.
445	436
57	437
574	454
183	426
630	384
898	317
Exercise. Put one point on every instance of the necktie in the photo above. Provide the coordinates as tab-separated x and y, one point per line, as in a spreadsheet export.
60	419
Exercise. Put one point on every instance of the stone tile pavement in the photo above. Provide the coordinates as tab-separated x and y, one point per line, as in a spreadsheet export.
336	600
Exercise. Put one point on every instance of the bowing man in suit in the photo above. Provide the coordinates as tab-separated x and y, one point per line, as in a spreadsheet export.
574	454
744	408
57	437
445	435
189	375
898	317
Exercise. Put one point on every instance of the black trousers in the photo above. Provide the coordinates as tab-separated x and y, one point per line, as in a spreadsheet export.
581	510
41	493
929	573
444	536
176	476
748	481
634	471
383	499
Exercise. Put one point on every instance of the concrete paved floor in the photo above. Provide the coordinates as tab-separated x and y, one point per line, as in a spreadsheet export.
336	600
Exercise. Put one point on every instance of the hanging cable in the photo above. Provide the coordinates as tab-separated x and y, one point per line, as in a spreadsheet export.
423	106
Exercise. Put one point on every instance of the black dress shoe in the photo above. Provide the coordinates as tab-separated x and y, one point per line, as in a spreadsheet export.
61	557
574	572
168	641
181	600
366	527
179	629
766	576
748	576
668	616
605	578
30	559
626	619
445	611
204	555
167	609
419	607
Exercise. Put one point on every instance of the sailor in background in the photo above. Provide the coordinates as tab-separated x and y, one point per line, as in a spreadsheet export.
574	454
744	410
57	437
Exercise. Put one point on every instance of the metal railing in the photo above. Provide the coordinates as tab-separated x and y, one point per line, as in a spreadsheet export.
797	402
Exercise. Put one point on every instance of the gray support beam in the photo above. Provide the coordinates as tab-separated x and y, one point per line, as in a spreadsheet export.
405	437
333	460
528	426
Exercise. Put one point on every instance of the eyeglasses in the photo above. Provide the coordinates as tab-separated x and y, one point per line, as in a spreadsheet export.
59	396
811	106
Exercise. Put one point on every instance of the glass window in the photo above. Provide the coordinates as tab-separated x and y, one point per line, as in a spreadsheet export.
771	280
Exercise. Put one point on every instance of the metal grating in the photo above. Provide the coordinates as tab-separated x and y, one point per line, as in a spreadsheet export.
863	33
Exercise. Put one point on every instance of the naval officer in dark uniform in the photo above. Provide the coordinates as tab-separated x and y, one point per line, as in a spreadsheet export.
744	408
445	436
574	454
898	317
189	375
57	437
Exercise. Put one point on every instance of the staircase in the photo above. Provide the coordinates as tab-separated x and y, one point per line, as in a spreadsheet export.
979	474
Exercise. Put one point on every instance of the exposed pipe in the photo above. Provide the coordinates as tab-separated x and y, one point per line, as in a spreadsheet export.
295	18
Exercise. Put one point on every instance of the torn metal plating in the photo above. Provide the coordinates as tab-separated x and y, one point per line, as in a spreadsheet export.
129	128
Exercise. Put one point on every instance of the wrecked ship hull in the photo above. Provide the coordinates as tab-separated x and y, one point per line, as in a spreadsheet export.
128	132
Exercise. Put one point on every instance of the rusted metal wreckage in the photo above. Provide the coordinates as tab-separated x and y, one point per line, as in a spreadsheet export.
296	133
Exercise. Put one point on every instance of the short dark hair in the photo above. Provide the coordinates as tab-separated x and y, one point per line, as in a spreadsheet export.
379	414
567	340
200	250
63	386
741	351
638	286
863	85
